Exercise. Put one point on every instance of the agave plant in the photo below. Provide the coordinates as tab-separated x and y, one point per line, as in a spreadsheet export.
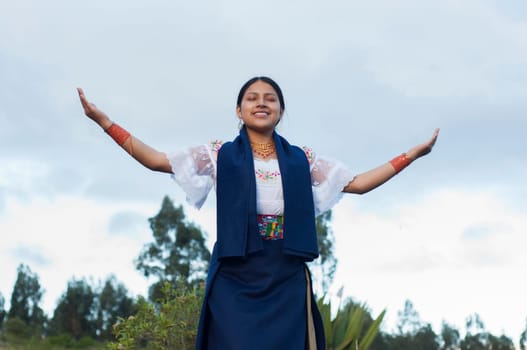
345	331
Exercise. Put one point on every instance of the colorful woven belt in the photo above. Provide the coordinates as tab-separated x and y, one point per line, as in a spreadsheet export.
271	226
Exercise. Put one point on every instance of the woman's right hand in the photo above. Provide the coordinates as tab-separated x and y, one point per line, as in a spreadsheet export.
93	112
144	154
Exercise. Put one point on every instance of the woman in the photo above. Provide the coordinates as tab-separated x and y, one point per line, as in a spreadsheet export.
269	192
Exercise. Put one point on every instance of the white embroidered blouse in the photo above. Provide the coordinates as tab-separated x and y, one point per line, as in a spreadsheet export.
194	169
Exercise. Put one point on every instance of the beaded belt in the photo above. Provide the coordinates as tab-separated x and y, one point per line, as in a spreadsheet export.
271	226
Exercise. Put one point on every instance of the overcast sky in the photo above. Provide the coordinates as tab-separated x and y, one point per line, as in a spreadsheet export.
363	82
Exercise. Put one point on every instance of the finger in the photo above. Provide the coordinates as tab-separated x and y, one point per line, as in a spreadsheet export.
81	94
434	136
84	101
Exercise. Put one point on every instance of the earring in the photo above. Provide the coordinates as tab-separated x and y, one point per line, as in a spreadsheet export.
240	124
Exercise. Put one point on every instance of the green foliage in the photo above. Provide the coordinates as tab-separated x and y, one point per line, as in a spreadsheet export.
16	329
450	337
323	269
63	340
66	341
2	311
172	323
500	343
423	338
113	303
409	321
87	343
523	339
477	338
351	329
412	332
60	342
25	299
178	254
89	311
75	312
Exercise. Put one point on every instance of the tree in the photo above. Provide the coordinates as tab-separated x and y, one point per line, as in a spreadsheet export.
477	338
523	339
409	321
75	313
500	343
25	299
178	254
323	268
412	332
425	339
450	337
2	310
113	303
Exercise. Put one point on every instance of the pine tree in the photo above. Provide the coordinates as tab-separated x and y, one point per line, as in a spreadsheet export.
25	299
75	313
177	255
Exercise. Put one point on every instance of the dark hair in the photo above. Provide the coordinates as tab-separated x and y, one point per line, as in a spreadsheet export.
265	80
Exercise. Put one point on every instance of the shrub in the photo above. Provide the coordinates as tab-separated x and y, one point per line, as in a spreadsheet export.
170	324
351	328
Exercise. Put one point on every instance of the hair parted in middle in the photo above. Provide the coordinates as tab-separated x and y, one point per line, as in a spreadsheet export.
267	80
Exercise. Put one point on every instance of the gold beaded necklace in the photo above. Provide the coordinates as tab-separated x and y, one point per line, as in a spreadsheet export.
264	150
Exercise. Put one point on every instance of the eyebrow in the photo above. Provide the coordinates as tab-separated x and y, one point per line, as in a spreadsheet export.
265	94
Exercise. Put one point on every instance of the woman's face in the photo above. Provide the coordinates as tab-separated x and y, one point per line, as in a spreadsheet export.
260	108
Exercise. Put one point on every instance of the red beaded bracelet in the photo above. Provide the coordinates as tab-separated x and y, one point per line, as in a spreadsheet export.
400	162
118	134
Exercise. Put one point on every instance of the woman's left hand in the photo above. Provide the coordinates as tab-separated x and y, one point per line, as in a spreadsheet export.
424	148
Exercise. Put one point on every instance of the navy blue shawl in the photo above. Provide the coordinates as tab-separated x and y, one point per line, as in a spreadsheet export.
237	227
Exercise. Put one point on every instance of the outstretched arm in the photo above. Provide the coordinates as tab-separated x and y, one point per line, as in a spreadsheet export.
371	179
144	154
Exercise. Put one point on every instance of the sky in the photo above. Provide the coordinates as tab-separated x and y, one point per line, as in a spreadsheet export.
363	82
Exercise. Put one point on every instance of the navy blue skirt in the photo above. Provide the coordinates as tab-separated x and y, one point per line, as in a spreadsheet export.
257	303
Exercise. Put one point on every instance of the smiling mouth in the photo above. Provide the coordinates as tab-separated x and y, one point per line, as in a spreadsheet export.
261	114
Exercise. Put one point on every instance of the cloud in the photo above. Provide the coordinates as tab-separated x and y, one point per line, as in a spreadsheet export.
23	177
66	237
483	231
31	255
410	49
515	9
452	252
364	81
359	78
127	223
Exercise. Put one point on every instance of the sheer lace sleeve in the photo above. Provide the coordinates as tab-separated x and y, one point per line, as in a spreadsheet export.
194	169
328	178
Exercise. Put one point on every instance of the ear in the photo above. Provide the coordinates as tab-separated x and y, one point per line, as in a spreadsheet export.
239	112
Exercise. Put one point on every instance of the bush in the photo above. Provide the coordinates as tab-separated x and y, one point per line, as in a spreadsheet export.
62	340
17	330
352	327
170	324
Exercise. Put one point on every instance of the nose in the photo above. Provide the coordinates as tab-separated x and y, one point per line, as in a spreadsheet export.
261	102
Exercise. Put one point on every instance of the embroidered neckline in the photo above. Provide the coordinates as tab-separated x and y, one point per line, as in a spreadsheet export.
267	175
